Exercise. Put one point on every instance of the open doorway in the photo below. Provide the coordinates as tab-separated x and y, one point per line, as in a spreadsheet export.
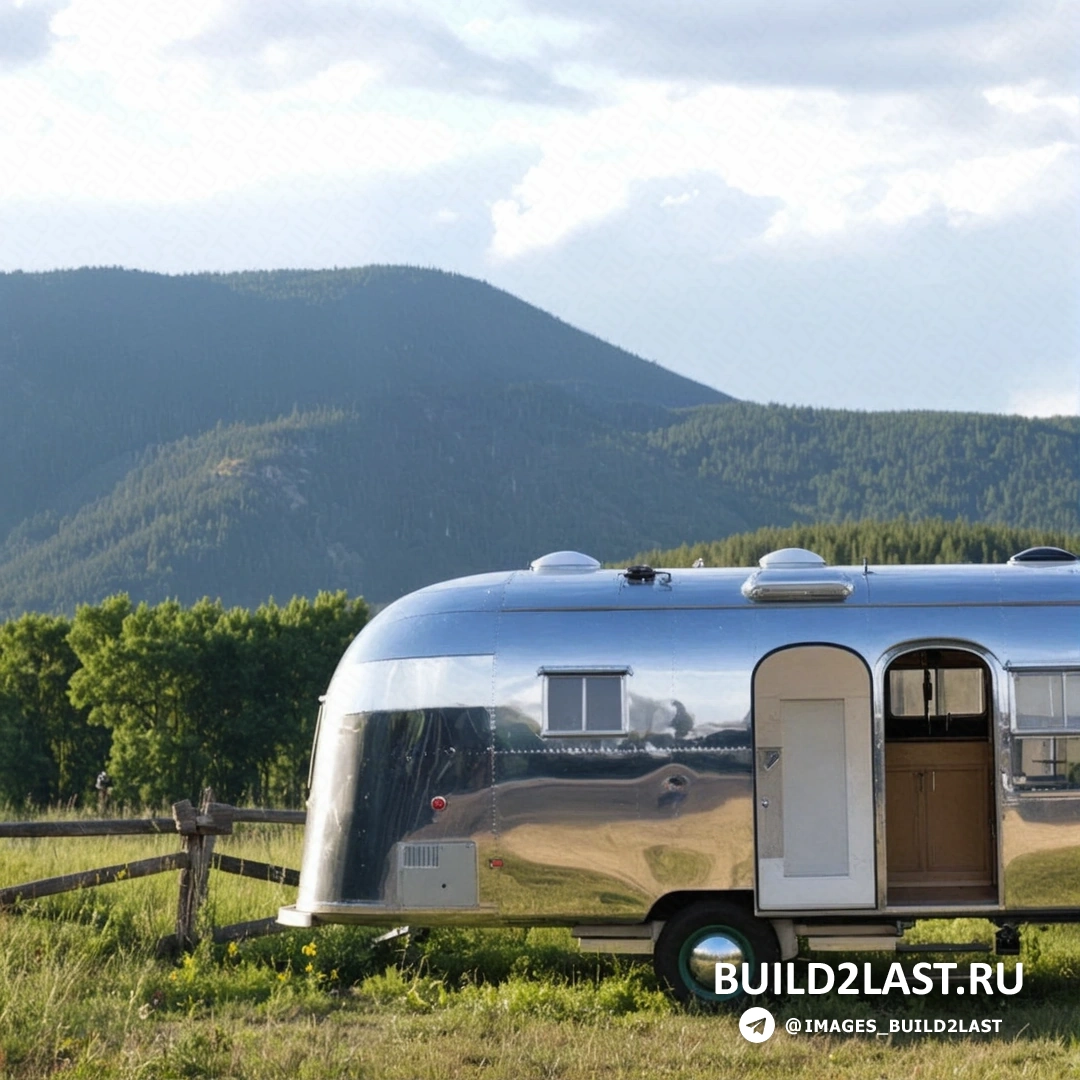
939	796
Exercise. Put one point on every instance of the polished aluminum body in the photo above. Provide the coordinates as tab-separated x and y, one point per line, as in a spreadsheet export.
443	696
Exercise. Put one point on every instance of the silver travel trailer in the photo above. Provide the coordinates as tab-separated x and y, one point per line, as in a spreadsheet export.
707	764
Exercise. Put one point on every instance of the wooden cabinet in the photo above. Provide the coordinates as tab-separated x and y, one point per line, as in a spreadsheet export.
938	812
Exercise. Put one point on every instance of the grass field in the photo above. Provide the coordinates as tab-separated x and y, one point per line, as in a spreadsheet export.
82	995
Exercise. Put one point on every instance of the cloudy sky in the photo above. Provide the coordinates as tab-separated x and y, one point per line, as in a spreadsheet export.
863	204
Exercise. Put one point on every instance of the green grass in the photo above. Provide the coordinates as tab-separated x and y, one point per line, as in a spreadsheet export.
83	995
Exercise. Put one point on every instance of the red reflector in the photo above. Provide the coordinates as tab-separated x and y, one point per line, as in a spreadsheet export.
495	863
438	803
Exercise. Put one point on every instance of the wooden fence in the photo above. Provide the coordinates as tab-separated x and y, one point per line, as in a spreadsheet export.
198	829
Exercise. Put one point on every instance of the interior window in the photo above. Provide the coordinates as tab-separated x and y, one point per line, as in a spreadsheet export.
934	693
937	692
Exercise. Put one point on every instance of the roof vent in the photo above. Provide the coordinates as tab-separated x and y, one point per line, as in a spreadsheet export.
640	573
790	559
796	575
1043	556
564	562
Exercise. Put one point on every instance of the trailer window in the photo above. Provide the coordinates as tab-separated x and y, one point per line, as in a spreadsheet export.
1046	701
1046	764
937	694
590	704
936	691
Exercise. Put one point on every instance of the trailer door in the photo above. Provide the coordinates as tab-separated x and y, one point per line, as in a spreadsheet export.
813	780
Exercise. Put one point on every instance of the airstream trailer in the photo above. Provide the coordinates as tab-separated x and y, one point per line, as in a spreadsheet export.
707	764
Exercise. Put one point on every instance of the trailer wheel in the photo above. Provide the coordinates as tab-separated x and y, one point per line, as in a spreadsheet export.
702	935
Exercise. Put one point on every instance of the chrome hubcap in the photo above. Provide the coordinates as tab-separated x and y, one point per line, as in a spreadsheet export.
714	947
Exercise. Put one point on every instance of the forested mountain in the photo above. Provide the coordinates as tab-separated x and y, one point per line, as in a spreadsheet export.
373	430
96	365
378	500
832	465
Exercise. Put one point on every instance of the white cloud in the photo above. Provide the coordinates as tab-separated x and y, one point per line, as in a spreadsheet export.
120	113
510	35
679	200
1045	401
993	185
92	155
1031	97
834	162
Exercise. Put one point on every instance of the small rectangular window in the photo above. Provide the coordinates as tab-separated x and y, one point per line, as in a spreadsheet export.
1046	764
1046	701
580	703
603	703
565	704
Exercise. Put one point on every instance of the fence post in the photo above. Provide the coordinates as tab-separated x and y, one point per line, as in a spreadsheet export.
197	831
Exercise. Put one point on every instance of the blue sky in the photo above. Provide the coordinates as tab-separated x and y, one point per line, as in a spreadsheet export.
865	205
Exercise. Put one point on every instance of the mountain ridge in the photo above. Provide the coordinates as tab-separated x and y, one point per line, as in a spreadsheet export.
380	428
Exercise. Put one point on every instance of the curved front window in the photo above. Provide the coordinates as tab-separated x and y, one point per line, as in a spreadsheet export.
376	774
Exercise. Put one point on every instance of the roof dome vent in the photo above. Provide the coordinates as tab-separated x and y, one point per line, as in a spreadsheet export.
1043	556
790	559
564	562
797	575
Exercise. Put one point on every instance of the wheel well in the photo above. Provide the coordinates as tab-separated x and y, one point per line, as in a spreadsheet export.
672	902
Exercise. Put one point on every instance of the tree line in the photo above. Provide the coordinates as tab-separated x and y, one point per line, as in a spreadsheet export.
879	542
167	698
832	465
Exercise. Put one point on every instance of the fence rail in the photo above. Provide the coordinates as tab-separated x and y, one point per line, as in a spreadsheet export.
279	875
108	827
198	830
141	826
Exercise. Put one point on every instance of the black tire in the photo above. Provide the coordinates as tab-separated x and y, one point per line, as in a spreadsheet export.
689	978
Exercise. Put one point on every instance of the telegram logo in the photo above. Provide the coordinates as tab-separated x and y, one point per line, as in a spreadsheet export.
757	1025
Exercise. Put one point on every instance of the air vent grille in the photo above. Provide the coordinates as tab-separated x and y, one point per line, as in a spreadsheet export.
808	585
420	856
